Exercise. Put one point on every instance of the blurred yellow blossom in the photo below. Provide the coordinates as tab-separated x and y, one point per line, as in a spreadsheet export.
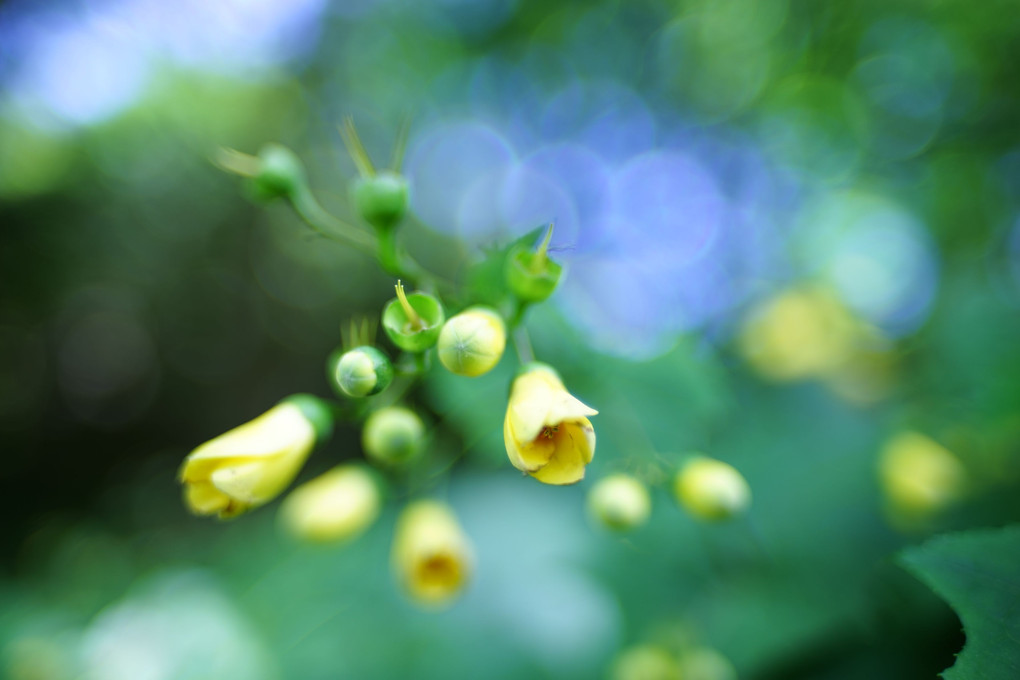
919	476
431	554
335	506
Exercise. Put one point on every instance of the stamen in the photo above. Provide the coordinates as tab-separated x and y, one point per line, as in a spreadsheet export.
414	321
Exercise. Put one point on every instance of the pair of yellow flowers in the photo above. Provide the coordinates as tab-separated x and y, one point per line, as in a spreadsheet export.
546	431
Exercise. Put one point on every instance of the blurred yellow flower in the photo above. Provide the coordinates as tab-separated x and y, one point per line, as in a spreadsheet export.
251	464
431	554
801	333
919	477
710	489
546	430
335	506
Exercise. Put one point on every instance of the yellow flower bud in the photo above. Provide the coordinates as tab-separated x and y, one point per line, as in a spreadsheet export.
620	502
710	489
801	333
393	435
645	662
919	477
472	342
431	554
336	506
251	464
706	664
546	430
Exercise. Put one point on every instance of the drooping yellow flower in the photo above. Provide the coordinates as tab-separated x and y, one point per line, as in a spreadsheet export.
335	506
251	464
919	476
546	430
431	554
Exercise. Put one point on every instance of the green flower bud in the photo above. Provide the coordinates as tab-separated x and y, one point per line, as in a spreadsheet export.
706	664
393	435
710	489
413	322
280	173
530	274
381	199
472	342
645	662
361	372
620	502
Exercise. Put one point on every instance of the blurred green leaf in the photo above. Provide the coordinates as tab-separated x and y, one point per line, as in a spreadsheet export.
976	573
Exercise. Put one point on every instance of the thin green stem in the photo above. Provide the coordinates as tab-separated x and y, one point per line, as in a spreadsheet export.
355	148
400	148
522	343
316	217
520	307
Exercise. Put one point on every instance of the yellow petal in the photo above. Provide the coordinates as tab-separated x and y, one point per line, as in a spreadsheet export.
281	427
575	445
537	400
202	498
524	455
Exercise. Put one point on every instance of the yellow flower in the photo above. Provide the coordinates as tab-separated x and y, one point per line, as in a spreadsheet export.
546	430
431	554
251	464
801	333
919	477
710	489
335	506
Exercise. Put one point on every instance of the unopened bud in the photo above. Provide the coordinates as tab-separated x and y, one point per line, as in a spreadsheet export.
360	372
711	490
380	199
620	502
393	435
472	342
645	662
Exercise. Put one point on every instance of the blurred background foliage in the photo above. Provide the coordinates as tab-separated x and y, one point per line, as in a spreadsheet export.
699	160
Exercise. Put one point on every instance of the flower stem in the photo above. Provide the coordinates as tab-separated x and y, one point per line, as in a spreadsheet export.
316	217
522	343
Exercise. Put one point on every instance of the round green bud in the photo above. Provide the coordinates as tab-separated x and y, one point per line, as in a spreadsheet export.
280	173
472	342
393	435
706	664
360	372
620	502
381	199
710	489
316	411
413	322
645	662
530	275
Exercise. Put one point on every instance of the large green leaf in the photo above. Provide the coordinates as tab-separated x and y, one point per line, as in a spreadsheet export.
978	574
